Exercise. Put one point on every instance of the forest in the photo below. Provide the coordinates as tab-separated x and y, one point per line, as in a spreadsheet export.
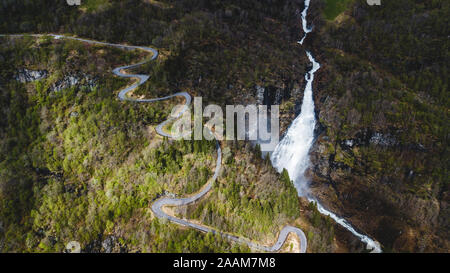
78	164
383	148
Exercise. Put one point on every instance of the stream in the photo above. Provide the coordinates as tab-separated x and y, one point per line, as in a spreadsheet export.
292	152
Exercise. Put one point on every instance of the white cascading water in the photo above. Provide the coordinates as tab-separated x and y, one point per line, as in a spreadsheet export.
305	22
292	153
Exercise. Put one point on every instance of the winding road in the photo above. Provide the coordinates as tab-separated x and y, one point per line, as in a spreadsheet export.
157	206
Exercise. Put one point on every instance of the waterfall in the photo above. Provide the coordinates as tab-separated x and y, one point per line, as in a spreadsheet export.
292	152
305	22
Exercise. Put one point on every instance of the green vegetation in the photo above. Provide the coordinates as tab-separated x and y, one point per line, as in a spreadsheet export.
335	7
386	90
248	198
94	5
78	164
322	231
81	165
217	49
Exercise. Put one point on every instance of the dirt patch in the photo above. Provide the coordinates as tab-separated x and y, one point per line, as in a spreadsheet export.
292	244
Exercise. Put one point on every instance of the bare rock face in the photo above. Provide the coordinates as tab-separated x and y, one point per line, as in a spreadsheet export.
82	81
384	140
275	95
288	95
260	94
108	244
25	75
381	206
85	82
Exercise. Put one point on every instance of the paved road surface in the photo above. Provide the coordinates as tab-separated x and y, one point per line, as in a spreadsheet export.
165	201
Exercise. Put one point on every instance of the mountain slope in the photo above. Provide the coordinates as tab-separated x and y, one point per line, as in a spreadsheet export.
381	157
